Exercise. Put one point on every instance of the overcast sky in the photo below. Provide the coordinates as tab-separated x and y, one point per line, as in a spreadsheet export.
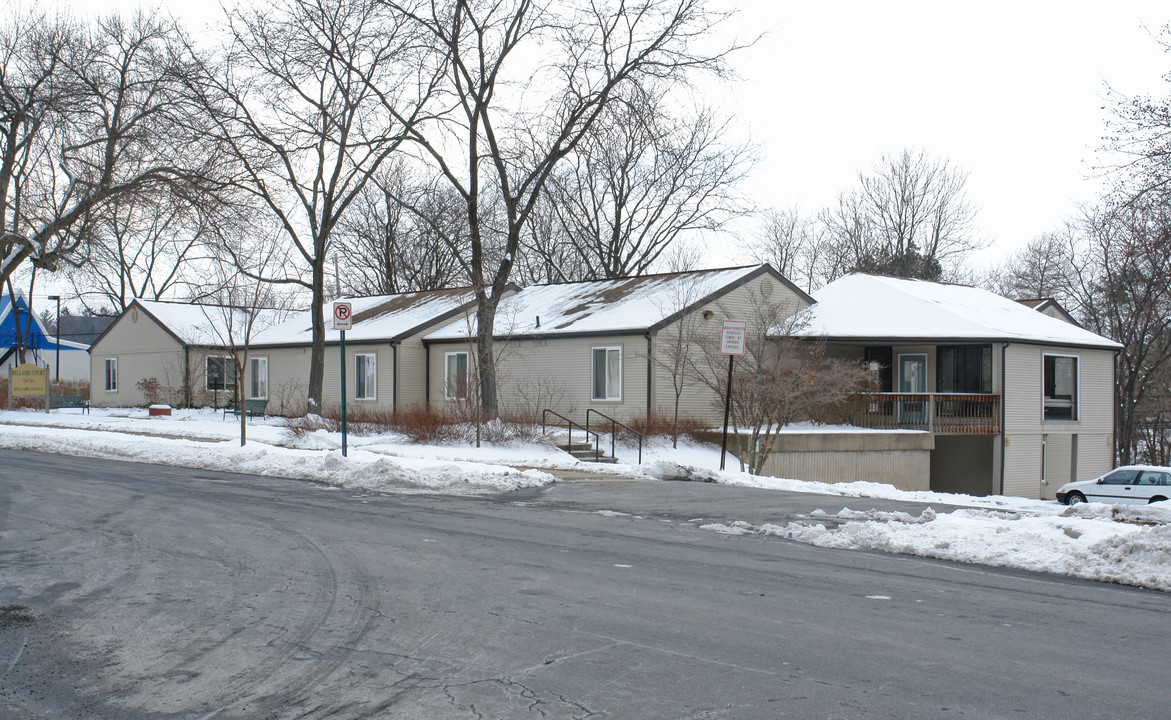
1010	91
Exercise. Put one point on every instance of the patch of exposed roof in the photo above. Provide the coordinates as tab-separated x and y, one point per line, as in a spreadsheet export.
375	318
634	304
872	307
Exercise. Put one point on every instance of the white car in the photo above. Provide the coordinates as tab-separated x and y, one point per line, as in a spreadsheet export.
1128	485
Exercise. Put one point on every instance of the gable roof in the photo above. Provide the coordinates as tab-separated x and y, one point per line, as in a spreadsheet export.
863	307
1044	305
197	324
602	307
383	318
39	338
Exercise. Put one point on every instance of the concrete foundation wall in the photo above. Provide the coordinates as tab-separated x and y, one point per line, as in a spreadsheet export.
902	459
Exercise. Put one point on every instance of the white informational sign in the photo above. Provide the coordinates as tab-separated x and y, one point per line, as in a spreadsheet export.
341	316
732	338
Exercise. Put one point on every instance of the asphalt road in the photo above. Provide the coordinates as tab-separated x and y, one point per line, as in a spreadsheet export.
131	591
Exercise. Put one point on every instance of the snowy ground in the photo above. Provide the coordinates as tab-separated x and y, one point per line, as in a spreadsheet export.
1124	544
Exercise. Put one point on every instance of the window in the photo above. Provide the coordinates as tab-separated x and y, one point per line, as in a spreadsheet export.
365	377
111	374
455	378
965	369
221	373
258	378
607	373
1121	477
1060	401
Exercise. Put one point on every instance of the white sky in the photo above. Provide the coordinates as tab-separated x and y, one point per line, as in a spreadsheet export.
1011	91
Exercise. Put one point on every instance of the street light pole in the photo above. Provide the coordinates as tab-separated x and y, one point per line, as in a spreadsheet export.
57	338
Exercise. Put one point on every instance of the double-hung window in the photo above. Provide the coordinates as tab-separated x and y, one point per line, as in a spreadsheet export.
455	375
607	373
258	378
112	374
221	373
365	377
1061	382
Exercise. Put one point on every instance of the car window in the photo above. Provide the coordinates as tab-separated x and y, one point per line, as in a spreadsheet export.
1162	478
1120	477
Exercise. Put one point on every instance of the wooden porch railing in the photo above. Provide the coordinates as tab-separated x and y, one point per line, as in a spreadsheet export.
940	413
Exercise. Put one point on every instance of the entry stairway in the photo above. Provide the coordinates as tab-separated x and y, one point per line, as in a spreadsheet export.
589	447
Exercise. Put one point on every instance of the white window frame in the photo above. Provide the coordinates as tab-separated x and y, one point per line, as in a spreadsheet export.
447	379
253	362
1075	416
609	394
230	363
368	380
111	363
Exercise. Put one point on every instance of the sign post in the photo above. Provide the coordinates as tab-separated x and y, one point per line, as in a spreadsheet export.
732	340
342	322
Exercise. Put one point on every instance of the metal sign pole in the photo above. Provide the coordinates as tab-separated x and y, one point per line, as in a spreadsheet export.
343	379
727	411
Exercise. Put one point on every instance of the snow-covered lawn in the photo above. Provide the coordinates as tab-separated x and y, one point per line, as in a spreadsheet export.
1123	544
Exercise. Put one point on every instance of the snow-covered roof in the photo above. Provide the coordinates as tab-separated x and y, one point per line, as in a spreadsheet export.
214	325
872	307
603	306
381	318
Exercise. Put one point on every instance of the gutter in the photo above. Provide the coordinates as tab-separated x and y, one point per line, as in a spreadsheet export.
1003	412
426	374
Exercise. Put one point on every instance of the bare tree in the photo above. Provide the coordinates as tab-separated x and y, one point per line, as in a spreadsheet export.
1041	269
1122	290
312	97
640	178
909	217
778	380
509	128
244	305
402	236
142	247
87	116
793	244
1139	133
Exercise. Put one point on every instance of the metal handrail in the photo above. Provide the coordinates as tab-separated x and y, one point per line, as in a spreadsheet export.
614	423
569	426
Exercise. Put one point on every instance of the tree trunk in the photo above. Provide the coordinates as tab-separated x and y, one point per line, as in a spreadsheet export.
485	359
317	356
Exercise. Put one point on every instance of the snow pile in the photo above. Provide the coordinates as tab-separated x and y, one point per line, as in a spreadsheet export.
203	440
1130	545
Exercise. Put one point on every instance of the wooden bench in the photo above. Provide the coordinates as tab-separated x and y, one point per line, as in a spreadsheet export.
69	401
252	408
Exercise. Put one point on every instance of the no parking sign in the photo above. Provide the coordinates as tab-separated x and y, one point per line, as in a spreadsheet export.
341	316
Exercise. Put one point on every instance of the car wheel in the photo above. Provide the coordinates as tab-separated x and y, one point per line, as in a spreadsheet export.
1075	498
1157	498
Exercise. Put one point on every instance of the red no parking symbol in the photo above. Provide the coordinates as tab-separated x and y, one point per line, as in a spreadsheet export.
341	316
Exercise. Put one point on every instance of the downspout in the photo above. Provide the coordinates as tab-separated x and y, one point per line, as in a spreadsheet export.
426	374
394	377
188	390
1003	412
649	367
1114	412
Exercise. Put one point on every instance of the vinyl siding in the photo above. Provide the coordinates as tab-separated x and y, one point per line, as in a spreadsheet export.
144	350
553	373
1024	427
697	399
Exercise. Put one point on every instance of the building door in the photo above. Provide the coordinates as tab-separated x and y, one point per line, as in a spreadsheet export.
913	379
